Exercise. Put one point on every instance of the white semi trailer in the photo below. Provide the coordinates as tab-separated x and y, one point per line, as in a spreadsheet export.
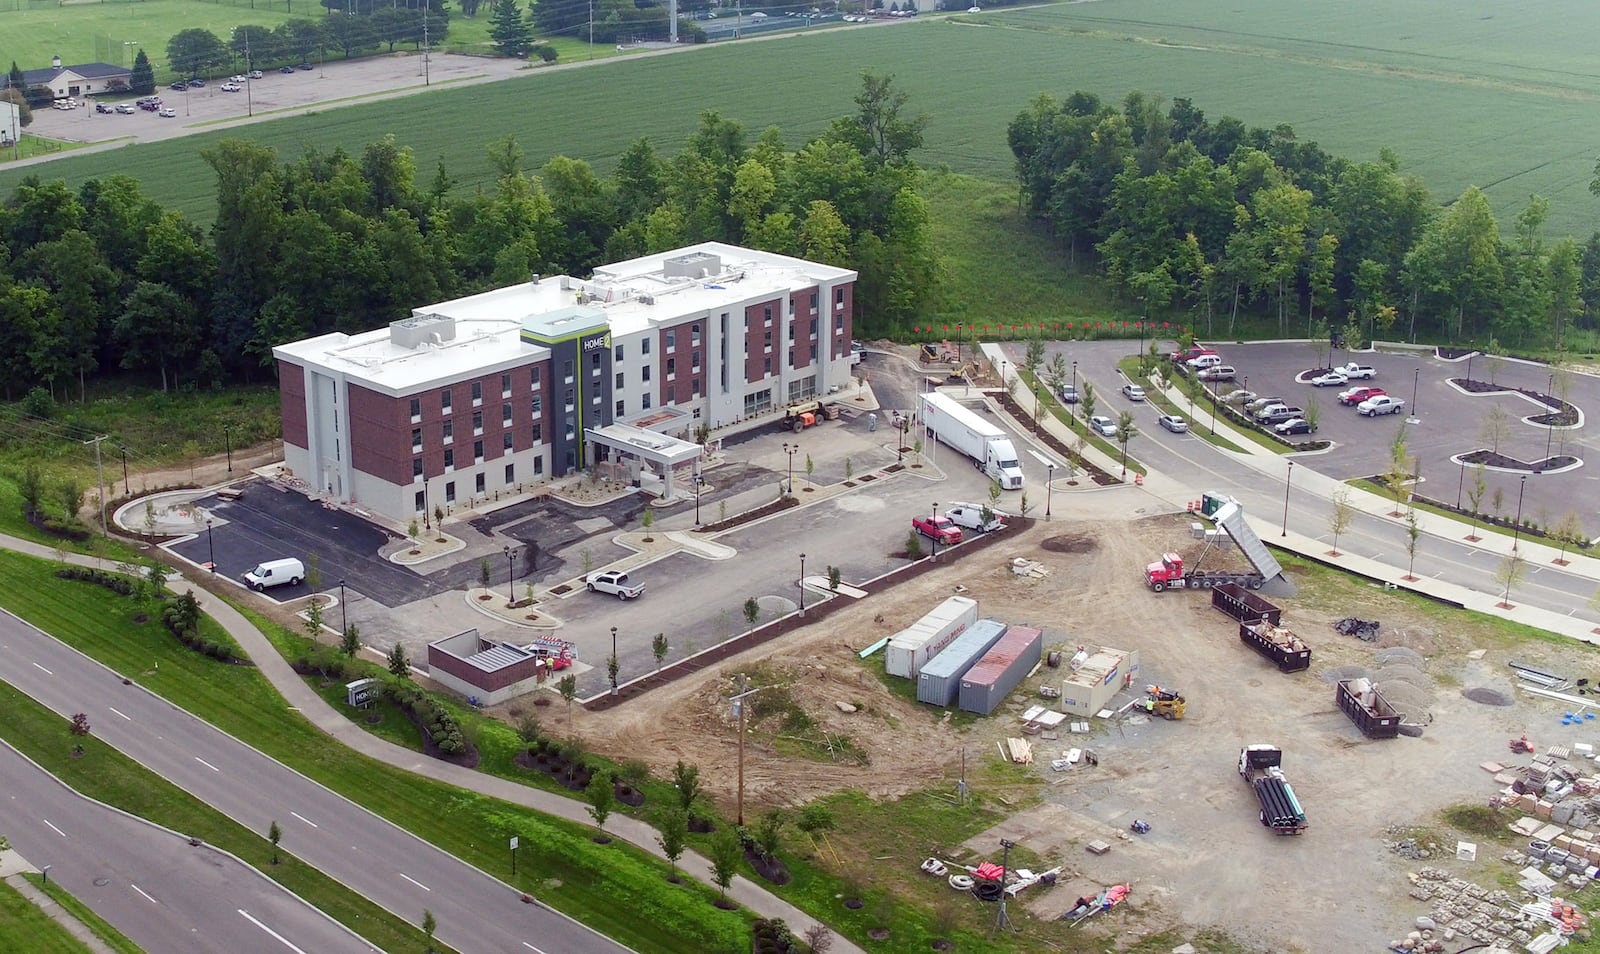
986	443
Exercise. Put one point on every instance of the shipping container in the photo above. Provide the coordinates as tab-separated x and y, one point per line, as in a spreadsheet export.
1244	606
1368	709
993	677
940	680
911	648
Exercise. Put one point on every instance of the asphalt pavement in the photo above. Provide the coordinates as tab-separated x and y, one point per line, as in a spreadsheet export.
379	860
149	883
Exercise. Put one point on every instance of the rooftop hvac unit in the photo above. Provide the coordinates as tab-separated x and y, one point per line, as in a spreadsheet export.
647	299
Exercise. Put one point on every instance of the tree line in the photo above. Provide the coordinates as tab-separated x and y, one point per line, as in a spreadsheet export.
199	52
104	278
1180	212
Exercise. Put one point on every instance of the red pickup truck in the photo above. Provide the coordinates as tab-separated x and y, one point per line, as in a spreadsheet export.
940	528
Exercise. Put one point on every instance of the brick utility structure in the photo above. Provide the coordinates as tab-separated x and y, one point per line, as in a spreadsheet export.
493	393
479	669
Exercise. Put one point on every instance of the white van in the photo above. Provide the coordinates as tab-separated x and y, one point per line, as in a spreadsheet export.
970	516
275	573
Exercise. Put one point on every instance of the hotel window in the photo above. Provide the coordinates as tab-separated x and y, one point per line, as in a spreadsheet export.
449	431
444	399
511	474
838	324
416	439
418	502
619	411
616	353
672	340
477	393
645	402
416	468
449	461
672	368
694	336
767	315
477	452
505	414
478	484
416	410
538	433
619	380
566	371
838	297
477	422
644	346
538	466
594	363
536	408
694	362
536	379
645	374
505	442
505	384
450	492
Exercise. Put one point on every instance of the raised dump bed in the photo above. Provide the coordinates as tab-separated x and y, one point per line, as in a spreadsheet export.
1286	650
1243	605
1367	708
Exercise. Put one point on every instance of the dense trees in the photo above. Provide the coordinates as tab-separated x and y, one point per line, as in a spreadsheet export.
1184	213
197	52
103	278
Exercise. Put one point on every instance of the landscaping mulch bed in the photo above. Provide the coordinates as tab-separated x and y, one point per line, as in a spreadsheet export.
1491	459
770	869
1563	415
777	506
466	758
628	795
1056	444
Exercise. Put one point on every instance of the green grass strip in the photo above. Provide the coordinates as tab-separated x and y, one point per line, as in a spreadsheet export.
112	937
24	927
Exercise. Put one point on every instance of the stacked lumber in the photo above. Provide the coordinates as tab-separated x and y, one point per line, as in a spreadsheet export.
1021	751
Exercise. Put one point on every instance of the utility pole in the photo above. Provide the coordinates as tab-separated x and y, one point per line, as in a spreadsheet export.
738	710
425	44
100	472
591	50
125	490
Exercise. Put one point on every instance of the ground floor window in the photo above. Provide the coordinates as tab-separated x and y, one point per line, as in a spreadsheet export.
511	474
450	492
421	502
478	487
538	466
803	388
758	401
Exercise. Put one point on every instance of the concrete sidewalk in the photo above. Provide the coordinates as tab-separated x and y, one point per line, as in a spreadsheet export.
12	868
302	698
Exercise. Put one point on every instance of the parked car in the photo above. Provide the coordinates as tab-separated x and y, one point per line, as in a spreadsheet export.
255	74
286	69
1221	372
1239	396
150	107
304	67
970	516
1329	379
102	107
1256	404
179	86
1355	372
1133	392
196	83
1278	415
1356	395
1173	423
940	528
1264	410
167	112
614	582
231	87
1179	357
236	78
1204	361
1382	404
1294	425
1103	426
1069	394
125	109
275	573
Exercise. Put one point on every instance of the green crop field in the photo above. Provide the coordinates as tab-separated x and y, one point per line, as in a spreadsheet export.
1465	93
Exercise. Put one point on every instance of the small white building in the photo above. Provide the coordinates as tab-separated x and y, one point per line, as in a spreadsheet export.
84	79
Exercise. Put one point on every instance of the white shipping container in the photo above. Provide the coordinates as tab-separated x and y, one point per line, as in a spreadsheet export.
911	648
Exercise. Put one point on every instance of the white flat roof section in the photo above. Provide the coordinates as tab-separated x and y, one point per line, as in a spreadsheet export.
465	646
376	360
653	447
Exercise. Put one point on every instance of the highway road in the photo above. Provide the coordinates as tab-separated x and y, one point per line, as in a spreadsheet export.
477	914
1195	462
151	884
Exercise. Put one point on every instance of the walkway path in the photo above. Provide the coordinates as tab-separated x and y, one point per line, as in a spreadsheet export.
12	868
314	708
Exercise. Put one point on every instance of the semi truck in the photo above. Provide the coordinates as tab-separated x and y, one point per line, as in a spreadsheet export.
1286	650
1261	767
987	444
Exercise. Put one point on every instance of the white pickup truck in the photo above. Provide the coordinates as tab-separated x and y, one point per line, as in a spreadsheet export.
1356	372
970	516
614	582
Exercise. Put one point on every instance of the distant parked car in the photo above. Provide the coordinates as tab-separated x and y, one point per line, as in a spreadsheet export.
236	78
1356	395
196	83
1257	403
1179	357
125	109
1069	394
102	107
167	112
1103	426
1382	404
1204	361
1222	372
1329	379
1173	423
179	86
1133	392
970	516
231	87
1294	425
940	528
1239	396
255	74
303	67
614	582
286	69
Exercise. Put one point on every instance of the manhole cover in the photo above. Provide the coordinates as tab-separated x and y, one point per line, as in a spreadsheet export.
1069	543
101	882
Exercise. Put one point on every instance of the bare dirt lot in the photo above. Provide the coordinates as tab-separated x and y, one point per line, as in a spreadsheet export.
1207	862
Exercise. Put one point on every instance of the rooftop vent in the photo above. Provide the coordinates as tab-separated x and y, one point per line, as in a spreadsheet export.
692	265
410	332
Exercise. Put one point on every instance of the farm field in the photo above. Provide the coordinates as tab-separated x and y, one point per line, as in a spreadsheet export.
1460	98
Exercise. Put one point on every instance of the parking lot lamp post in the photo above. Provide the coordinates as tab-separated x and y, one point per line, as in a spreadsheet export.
1287	480
1214	400
613	657
344	614
210	548
791	450
1074	380
1459	481
511	577
1516	530
1415	378
1470	355
1550	432
802	584
1141	344
1049	485
227	440
699	482
934	537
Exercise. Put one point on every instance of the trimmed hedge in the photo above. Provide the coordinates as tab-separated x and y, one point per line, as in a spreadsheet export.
437	721
115	582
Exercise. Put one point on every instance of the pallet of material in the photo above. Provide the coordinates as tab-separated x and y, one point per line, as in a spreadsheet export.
1018	751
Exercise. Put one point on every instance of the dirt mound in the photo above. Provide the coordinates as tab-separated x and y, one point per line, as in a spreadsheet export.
1483	695
1068	543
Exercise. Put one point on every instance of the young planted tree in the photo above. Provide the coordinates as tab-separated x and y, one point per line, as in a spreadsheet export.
313	620
274	835
648	521
314	572
769	832
429	926
483	573
1496	427
913	546
659	648
1127	430
1086	400
834	576
350	643
811	468
686	779
1413	536
1344	513
1399	470
752	612
568	688
814	819
1568	532
412	529
1056	374
613	668
673	837
1509	574
1314	414
1475	492
602	798
725	855
399	665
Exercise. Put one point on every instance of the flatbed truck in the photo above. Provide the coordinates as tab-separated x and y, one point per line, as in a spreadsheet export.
1261	767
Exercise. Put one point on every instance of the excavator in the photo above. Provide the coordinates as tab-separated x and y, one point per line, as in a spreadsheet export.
1166	703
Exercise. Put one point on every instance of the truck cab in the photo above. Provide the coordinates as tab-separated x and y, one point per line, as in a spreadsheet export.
1168	571
1003	466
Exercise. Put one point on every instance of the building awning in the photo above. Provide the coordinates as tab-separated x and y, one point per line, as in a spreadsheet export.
661	449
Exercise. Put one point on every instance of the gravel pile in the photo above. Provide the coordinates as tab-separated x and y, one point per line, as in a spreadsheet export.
1484	695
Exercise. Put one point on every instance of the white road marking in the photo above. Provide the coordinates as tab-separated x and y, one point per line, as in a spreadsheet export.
37	666
207	764
54	828
1376	556
531	947
274	934
114	709
141	891
413	881
304	819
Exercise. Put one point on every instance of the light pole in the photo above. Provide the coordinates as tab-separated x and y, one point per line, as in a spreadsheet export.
1550	432
699	482
611	663
212	549
1415	378
900	443
802	584
1141	344
1074	379
344	614
1287	479
1049	486
227	438
1516	530
791	450
1459	481
1470	355
511	577
934	537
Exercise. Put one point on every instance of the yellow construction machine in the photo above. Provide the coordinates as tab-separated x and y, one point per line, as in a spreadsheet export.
1165	703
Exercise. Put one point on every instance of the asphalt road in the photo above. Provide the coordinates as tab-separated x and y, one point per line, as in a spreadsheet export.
1191	459
149	883
400	872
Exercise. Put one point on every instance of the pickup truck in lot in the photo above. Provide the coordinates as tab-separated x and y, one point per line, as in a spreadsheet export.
940	528
1278	413
1357	372
1356	395
613	582
1382	404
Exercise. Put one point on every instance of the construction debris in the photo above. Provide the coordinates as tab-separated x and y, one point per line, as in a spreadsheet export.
1020	751
1365	630
1029	568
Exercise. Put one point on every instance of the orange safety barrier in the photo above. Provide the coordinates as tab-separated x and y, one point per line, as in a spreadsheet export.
1138	479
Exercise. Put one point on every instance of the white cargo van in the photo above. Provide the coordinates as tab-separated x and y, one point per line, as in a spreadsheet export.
970	516
275	573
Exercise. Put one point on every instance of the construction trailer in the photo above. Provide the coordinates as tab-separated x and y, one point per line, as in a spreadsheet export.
1244	606
1005	665
1368	709
911	648
940	680
1090	687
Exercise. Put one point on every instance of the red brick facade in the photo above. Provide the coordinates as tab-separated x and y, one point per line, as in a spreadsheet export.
473	676
677	365
292	401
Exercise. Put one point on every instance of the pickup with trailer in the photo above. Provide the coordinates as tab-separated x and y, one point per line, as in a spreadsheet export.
613	582
1261	767
1286	650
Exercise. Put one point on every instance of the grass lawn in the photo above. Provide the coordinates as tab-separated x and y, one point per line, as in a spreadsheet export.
113	938
30	146
23	927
